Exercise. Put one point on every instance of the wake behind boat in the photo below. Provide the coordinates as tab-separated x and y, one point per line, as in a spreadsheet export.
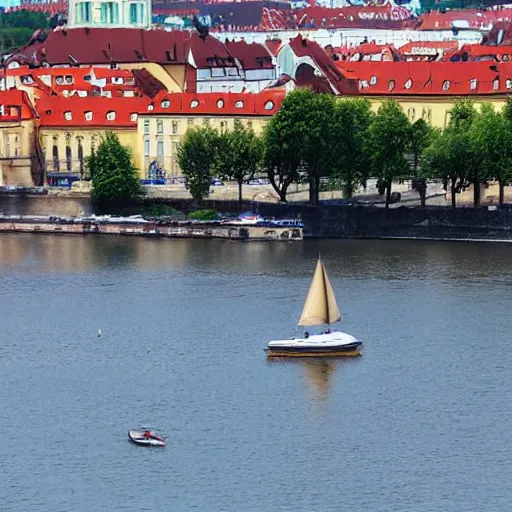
145	438
320	308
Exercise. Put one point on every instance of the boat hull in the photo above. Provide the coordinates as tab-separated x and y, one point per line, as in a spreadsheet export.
137	437
336	344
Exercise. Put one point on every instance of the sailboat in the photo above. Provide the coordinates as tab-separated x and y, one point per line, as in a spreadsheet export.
320	308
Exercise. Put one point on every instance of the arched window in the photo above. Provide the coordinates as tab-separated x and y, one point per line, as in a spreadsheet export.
391	85
239	104
194	104
55	154
166	103
68	116
69	159
446	85
80	154
111	115
408	84
220	104
269	105
88	115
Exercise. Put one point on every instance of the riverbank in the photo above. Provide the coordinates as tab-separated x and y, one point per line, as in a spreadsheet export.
490	223
147	228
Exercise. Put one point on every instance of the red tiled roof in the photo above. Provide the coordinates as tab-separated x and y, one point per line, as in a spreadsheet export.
428	47
306	48
273	46
250	56
15	106
82	46
386	50
429	78
265	103
94	111
476	52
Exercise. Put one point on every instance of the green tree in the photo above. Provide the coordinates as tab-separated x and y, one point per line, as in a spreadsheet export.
239	153
196	157
300	135
352	119
389	136
114	178
420	139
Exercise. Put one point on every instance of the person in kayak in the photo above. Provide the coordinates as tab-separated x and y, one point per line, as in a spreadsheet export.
148	434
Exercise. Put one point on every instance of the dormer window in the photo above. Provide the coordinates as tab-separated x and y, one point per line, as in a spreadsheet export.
117	80
408	84
496	85
446	85
82	94
87	78
391	85
165	104
27	80
59	80
68	116
473	83
194	104
269	105
69	79
373	80
220	103
239	104
508	83
111	115
363	84
133	117
88	115
151	107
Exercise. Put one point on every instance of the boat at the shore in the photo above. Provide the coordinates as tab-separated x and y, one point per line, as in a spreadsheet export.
320	308
144	437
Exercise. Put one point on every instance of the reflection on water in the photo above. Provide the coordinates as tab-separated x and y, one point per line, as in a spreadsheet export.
317	374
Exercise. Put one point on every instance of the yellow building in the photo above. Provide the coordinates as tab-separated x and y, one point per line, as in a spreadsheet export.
161	129
71	128
20	161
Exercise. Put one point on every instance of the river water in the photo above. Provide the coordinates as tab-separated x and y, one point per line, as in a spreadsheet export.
421	422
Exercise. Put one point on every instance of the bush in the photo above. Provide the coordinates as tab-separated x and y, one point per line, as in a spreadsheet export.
204	215
162	210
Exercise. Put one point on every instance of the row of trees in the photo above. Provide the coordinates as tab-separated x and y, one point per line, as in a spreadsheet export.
316	136
17	27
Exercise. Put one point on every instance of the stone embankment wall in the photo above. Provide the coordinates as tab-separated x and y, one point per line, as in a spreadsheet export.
338	221
334	221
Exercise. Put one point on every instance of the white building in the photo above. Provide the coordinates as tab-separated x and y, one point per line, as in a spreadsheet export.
109	14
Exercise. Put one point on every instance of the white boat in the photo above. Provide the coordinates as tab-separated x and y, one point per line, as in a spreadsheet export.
144	437
320	308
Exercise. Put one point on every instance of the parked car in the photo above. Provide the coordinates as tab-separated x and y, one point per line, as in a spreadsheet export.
217	183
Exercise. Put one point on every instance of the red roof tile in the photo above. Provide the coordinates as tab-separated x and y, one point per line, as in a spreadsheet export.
250	56
15	106
429	78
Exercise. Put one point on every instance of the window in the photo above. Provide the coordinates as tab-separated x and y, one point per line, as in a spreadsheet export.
408	84
249	124
373	80
447	117
133	117
146	147
109	13
175	127
426	114
222	126
68	116
269	105
151	106
136	13
69	160
206	121
117	80
411	114
88	115
190	121
473	83
496	85
239	104
446	85
68	79
391	85
166	103
111	116
160	149
220	103
159	126
59	80
194	104
146	126
363	84
83	12
508	83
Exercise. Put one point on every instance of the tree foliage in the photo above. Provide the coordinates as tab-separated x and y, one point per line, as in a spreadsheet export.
239	153
389	135
352	119
197	156
114	178
17	27
421	137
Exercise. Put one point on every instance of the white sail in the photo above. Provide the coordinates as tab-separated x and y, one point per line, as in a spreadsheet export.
320	306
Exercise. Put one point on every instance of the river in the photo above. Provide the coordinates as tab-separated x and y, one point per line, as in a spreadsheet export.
421	422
